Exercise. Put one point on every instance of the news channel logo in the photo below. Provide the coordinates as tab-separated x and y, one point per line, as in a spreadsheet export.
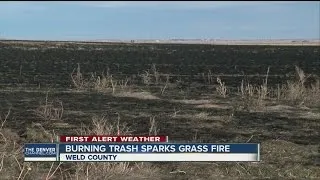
40	150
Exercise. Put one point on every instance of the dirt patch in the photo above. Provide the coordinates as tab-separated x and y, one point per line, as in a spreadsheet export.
137	95
214	106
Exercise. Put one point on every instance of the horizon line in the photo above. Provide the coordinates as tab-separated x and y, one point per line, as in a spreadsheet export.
256	42
159	39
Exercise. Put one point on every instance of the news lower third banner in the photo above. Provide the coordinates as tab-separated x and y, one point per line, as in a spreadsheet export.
125	152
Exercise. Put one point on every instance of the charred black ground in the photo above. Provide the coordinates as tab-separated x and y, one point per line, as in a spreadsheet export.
187	110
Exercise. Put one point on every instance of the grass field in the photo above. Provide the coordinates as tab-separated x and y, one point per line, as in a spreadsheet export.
198	93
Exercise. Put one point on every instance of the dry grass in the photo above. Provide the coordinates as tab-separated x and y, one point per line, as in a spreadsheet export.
117	170
102	126
105	83
11	162
38	134
12	165
153	130
294	92
165	85
208	78
78	80
155	73
153	76
50	110
146	77
298	93
313	95
222	88
253	98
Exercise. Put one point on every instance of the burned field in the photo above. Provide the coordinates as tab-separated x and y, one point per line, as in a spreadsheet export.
200	93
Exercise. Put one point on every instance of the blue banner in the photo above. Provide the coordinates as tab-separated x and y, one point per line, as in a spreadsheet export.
158	148
40	150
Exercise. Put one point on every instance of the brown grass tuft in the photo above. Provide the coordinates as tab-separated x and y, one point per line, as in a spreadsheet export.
222	88
50	110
